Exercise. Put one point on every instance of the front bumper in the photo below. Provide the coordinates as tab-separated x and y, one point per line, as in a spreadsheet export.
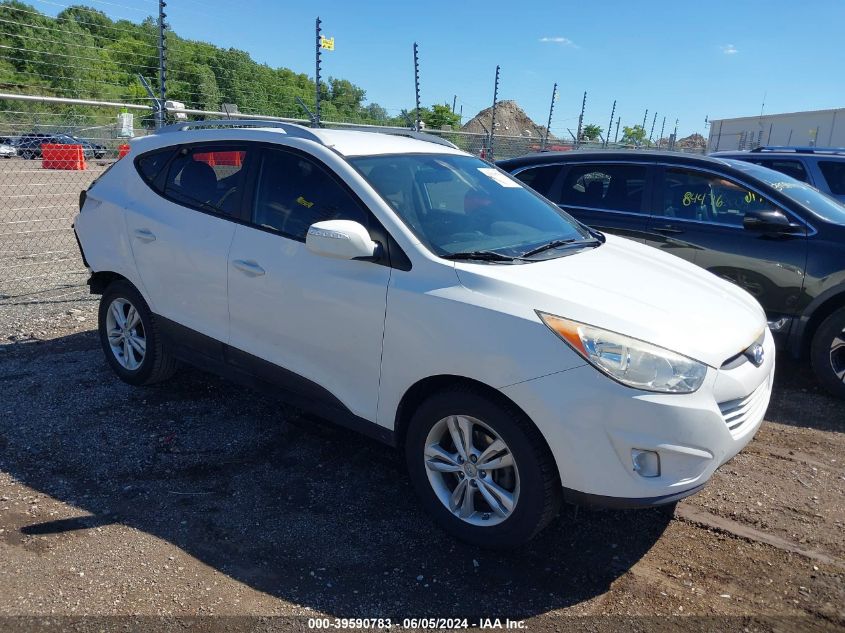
592	423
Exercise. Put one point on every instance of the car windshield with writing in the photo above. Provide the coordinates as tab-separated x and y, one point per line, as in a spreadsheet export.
807	196
463	208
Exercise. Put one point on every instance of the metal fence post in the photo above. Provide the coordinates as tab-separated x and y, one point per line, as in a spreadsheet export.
162	63
493	116
610	125
549	124
581	119
417	87
316	122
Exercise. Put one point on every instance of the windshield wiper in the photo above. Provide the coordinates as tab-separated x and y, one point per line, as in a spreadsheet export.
557	244
488	256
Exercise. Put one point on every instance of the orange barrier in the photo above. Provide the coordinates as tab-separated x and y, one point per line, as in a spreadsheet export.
54	156
123	150
232	159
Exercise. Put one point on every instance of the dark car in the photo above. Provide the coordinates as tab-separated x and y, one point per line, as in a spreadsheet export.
822	167
29	145
778	238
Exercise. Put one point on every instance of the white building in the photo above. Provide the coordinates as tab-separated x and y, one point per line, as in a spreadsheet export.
817	128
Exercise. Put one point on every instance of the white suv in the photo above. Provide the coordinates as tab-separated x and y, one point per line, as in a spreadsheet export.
421	295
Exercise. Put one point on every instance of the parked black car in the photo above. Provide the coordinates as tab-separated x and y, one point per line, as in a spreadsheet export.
778	238
29	145
822	167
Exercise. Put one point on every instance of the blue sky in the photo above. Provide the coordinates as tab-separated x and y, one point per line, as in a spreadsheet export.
682	59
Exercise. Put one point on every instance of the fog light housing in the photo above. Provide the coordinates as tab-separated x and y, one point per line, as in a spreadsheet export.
646	463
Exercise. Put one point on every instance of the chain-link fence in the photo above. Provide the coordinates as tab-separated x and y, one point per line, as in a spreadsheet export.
53	148
49	154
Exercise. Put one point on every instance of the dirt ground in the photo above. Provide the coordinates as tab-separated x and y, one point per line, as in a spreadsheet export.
198	498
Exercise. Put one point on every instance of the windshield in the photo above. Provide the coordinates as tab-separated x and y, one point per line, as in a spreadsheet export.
807	196
460	204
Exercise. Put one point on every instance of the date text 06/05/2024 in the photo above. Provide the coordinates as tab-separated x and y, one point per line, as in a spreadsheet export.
415	623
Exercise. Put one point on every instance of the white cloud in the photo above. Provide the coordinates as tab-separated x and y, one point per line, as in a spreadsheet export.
563	41
729	49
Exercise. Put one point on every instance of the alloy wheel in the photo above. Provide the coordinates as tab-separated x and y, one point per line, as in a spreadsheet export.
837	355
126	335
471	470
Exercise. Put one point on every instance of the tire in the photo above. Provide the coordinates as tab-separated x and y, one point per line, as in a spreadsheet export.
532	481
27	154
124	352
827	353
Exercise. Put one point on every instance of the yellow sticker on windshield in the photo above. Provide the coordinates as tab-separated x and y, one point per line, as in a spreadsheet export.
305	203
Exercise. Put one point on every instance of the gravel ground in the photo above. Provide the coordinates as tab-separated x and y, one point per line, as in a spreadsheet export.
199	497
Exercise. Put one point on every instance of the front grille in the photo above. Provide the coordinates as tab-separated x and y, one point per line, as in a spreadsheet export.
751	408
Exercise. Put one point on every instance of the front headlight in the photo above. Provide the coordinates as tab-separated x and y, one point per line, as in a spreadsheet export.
632	362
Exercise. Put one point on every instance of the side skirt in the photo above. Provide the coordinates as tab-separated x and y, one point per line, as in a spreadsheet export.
209	354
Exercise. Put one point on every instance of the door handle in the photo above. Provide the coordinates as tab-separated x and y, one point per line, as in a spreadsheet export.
145	235
668	230
248	267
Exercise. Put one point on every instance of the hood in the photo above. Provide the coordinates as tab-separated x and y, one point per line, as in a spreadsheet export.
634	290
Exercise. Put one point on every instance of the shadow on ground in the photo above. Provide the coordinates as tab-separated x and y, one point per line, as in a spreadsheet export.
799	400
301	510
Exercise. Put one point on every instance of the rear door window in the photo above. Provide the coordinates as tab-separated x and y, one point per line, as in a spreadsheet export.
540	179
615	187
834	174
792	168
703	197
208	177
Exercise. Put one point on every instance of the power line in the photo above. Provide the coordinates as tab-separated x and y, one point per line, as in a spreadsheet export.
92	59
59	18
78	8
47	28
41	39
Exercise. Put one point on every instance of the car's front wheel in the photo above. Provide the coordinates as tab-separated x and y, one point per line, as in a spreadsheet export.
130	337
827	353
481	468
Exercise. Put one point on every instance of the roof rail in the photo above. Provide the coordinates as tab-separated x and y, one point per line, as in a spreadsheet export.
799	149
299	131
291	129
402	131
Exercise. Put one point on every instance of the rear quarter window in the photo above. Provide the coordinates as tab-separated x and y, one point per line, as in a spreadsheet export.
834	174
151	165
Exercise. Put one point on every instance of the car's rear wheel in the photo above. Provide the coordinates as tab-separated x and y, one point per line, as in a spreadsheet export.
481	468
827	353
27	154
130	337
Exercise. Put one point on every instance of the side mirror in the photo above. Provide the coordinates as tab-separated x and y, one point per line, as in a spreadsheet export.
769	221
342	239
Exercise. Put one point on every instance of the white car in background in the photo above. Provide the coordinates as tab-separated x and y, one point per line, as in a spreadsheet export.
7	151
412	291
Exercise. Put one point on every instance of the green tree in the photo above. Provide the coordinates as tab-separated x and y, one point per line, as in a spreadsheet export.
633	135
591	132
439	116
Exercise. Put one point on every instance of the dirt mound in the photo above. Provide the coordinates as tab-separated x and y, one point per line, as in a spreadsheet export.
511	120
693	141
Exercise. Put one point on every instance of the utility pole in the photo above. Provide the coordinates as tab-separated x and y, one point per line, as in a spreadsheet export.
454	101
493	117
162	63
549	124
616	138
610	125
417	87
645	116
316	121
675	135
651	134
581	119
662	128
